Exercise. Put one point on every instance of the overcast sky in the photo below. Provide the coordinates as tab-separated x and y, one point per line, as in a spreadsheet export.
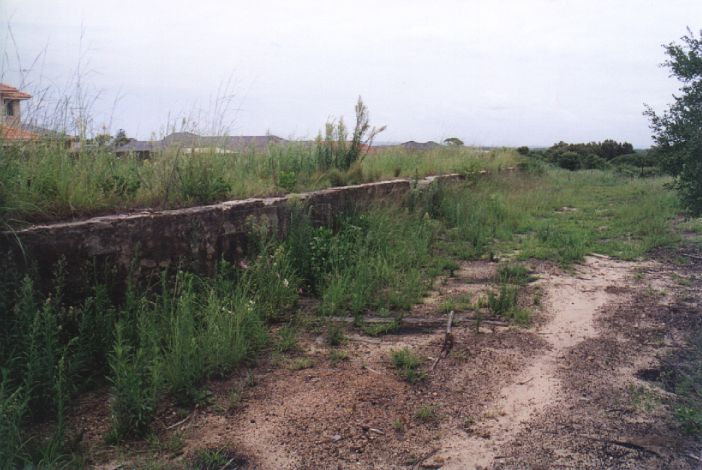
490	72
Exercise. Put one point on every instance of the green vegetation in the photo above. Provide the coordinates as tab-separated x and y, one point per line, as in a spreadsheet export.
559	216
337	355
682	375
408	365
677	131
426	414
301	363
598	156
161	344
512	273
47	182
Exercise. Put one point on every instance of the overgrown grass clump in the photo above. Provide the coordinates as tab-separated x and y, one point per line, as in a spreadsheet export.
156	344
373	260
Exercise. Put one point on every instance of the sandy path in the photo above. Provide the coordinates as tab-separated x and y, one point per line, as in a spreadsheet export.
572	301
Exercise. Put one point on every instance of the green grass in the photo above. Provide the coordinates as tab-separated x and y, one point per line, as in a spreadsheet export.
513	274
426	414
45	182
301	363
337	355
408	365
164	343
522	214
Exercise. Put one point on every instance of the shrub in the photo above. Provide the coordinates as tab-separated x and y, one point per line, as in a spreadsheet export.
133	390
513	274
13	410
504	301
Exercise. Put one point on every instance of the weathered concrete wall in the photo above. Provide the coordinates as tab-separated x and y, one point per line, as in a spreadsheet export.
195	237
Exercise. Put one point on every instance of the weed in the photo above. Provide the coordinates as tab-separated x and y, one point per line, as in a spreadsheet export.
426	413
335	335
301	363
642	397
133	390
336	356
216	459
513	274
380	328
286	339
504	301
407	365
447	306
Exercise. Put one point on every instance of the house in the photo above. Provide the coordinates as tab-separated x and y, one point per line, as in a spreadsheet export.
190	143
11	129
420	145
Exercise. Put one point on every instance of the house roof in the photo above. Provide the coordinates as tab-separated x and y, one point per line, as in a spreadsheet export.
11	93
140	146
190	140
16	134
420	145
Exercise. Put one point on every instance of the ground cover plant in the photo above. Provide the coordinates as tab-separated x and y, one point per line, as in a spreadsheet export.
164	344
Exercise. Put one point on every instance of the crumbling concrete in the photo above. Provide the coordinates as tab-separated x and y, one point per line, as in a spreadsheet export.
195	238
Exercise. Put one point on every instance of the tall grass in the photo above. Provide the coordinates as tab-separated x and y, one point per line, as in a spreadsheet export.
164	343
560	215
47	182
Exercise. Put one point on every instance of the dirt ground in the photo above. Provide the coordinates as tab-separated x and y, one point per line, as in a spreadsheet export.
572	390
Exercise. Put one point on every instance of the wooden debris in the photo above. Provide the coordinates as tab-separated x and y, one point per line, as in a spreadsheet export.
448	341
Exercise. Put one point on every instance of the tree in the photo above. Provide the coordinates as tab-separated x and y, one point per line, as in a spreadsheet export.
121	138
677	133
453	142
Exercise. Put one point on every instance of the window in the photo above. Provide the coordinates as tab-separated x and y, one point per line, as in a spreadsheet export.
9	108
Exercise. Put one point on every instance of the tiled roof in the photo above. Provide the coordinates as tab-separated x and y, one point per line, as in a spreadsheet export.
12	93
10	133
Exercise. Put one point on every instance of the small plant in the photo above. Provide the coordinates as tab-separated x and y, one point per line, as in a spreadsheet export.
447	306
398	425
301	363
407	365
513	274
468	423
233	399
501	303
380	328
335	335
521	316
216	459
426	413
286	339
336	356
133	393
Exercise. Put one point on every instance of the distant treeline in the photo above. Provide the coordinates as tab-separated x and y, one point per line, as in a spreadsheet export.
598	155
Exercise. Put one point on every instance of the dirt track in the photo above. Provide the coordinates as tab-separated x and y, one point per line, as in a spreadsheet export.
563	393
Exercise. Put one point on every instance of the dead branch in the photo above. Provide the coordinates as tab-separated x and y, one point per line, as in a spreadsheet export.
699	258
626	444
425	457
448	341
181	421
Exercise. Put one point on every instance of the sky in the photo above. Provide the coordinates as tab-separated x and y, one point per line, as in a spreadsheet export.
503	72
